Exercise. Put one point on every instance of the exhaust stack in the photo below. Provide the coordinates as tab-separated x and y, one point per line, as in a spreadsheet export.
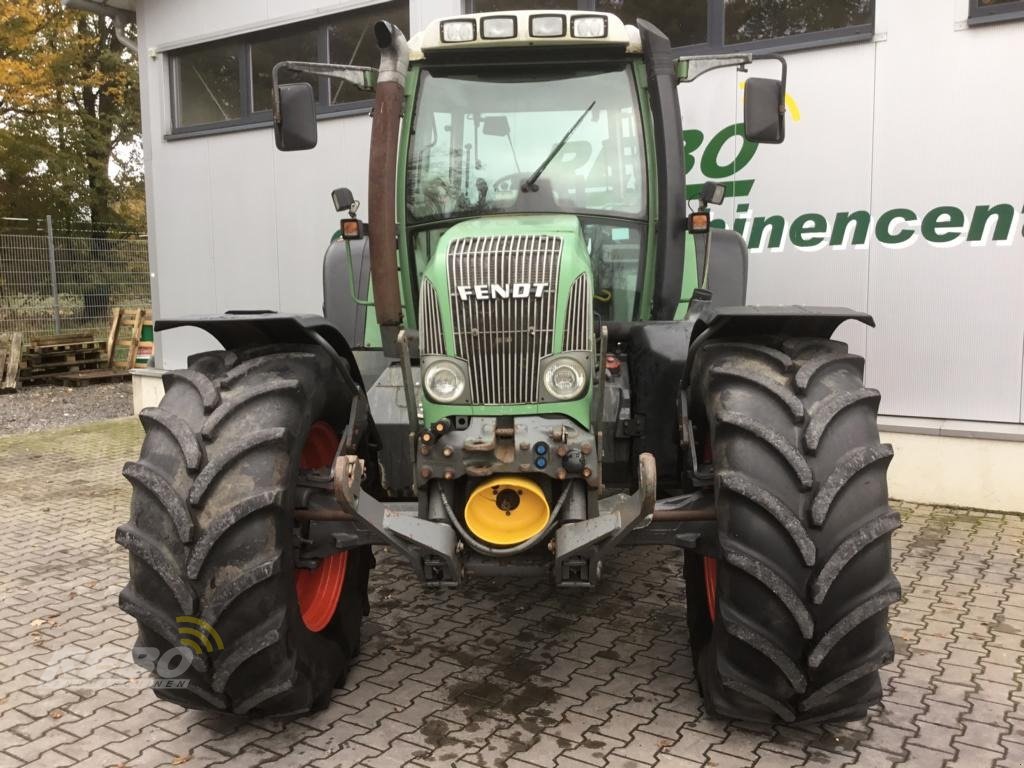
387	117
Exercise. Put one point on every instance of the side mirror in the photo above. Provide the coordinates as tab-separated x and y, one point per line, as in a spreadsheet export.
764	111
496	125
294	117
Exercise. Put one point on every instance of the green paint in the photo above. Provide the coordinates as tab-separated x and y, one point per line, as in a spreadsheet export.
371	334
574	262
689	276
353	283
776	226
405	267
808	230
710	165
862	226
943	224
1004	221
643	311
886	234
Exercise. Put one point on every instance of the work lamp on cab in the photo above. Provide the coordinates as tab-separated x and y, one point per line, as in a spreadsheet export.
547	25
498	28
444	382
458	31
589	26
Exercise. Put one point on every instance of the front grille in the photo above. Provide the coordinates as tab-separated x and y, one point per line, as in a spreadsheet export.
579	317
431	334
504	314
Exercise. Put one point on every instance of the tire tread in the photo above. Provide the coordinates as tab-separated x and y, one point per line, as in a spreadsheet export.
804	532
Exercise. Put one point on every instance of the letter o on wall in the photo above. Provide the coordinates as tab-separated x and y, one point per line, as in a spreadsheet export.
709	162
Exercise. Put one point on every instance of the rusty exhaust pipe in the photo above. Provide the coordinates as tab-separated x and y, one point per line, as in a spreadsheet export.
387	119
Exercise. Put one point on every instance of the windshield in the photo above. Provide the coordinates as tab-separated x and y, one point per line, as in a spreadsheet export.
477	137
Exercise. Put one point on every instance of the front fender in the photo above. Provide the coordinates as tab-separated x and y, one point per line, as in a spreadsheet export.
769	320
242	329
744	322
662	353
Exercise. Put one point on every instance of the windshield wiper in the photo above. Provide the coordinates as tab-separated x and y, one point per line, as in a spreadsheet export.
530	185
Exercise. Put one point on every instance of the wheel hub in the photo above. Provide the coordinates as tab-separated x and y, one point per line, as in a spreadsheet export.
319	589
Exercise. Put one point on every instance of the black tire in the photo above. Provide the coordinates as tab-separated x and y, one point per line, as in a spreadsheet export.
804	578
211	533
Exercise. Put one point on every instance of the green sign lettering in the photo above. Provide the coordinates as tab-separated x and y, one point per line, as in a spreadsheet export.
883	227
808	230
943	224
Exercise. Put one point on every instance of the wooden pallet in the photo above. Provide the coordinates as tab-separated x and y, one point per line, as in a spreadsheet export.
60	339
47	357
54	374
10	361
73	346
97	376
92	350
124	342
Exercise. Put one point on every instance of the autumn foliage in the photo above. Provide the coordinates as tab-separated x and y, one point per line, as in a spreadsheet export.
69	117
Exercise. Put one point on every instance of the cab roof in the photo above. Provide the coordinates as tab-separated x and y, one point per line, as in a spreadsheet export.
518	30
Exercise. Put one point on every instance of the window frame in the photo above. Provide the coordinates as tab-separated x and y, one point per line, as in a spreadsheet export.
979	15
250	119
715	42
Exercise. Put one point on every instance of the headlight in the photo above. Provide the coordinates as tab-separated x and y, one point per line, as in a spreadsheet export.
444	382
565	379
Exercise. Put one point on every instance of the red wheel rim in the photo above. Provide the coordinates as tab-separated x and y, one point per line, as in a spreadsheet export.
711	583
319	589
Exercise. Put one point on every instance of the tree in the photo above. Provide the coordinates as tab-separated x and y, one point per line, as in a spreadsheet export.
747	20
69	117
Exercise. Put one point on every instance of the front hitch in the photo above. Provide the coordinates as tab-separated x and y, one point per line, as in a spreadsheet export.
581	546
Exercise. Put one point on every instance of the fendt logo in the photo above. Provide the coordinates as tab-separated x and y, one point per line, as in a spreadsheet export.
501	291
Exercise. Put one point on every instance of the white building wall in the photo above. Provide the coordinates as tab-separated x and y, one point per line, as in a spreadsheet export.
921	117
234	224
925	115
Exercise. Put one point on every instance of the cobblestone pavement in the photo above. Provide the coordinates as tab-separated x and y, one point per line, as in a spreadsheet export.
500	674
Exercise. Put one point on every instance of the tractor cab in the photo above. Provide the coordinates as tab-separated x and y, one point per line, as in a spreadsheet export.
533	139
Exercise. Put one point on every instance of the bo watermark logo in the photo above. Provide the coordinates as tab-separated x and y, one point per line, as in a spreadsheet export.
195	637
71	668
198	635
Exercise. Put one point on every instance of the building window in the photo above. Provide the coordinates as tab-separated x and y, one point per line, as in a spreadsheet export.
350	41
986	11
706	26
489	6
752	21
300	45
227	85
685	23
209	85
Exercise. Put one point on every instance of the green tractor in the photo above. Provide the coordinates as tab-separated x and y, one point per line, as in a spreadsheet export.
533	355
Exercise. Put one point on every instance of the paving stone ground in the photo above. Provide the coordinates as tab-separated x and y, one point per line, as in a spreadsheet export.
509	673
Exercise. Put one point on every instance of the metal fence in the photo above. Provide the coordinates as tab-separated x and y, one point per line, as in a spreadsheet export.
56	278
